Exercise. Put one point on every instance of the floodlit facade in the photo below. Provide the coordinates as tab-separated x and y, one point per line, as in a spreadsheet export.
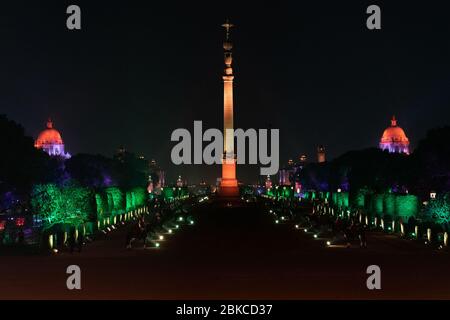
394	139
50	141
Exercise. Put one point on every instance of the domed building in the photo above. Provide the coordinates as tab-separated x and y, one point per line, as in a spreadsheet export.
394	139
51	142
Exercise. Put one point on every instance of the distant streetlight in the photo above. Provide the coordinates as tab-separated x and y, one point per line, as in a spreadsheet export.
432	195
339	190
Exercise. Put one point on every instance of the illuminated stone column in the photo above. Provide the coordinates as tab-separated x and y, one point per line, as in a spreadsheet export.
228	184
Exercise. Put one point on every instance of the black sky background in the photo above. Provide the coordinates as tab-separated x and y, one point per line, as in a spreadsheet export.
138	70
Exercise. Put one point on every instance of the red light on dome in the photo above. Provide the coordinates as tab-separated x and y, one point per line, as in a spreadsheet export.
49	136
394	139
2	225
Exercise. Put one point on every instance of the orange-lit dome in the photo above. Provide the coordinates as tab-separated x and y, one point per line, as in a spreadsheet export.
394	139
51	142
48	136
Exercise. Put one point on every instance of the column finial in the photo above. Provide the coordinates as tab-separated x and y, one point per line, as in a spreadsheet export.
227	25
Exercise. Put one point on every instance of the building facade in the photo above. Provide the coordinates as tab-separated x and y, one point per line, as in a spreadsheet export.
394	139
50	141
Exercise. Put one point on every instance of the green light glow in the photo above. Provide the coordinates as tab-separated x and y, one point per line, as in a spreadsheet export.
406	206
360	198
101	200
389	204
116	200
135	198
340	199
438	210
70	204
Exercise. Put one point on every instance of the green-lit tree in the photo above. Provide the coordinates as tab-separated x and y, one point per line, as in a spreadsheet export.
438	210
46	202
70	204
103	209
77	203
117	198
140	196
129	196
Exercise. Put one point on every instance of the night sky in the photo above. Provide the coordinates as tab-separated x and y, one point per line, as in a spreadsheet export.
138	70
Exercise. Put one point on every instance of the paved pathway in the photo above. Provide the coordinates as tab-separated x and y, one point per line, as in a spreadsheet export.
233	253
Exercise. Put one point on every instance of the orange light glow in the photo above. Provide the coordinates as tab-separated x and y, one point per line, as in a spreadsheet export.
48	136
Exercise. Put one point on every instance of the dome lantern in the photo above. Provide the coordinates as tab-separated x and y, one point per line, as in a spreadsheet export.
393	121
49	124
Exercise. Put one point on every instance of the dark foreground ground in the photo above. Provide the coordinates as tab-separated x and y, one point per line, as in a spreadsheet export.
232	253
